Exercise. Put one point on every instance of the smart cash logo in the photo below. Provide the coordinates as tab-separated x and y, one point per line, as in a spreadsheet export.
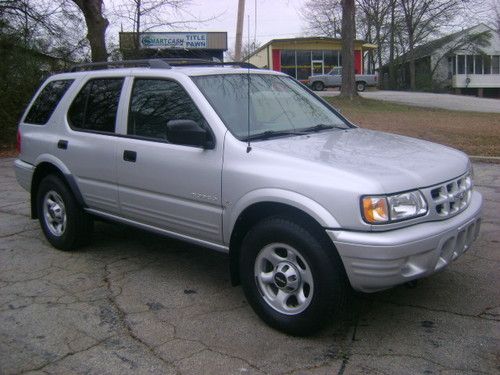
174	40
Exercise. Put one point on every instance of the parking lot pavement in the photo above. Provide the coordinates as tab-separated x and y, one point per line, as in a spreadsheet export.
137	303
430	100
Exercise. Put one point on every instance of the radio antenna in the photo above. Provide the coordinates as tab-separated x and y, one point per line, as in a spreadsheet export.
249	148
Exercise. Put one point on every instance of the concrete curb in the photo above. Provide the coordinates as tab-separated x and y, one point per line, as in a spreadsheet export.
485	159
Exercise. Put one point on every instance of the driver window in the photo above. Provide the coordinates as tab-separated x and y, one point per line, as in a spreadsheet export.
155	102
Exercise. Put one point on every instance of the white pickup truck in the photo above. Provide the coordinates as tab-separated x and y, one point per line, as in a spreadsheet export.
334	79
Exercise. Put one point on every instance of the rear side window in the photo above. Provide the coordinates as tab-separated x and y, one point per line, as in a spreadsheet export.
46	102
95	106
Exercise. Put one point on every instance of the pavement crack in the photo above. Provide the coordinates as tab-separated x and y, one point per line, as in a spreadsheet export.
421	357
62	358
477	316
350	344
122	320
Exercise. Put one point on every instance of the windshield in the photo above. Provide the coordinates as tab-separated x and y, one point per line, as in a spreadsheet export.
278	105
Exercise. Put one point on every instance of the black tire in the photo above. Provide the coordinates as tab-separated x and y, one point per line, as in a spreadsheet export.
318	86
329	280
78	225
360	86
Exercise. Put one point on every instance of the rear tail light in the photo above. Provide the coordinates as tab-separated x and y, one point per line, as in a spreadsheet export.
18	142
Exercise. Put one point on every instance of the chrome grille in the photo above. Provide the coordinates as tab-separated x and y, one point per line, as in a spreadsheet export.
450	198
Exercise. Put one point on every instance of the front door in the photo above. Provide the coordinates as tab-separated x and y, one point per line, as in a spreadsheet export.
318	67
169	186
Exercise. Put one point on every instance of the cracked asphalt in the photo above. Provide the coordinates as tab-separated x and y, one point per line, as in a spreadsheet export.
136	303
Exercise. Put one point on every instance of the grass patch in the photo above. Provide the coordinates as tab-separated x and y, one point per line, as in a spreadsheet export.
472	132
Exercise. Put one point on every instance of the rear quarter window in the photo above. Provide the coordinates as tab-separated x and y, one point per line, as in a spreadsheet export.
47	101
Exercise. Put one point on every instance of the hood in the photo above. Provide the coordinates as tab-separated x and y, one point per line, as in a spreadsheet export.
396	162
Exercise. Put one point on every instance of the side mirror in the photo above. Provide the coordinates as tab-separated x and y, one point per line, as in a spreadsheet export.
189	133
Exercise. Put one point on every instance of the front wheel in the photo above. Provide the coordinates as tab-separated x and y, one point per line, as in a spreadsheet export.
291	276
318	86
360	86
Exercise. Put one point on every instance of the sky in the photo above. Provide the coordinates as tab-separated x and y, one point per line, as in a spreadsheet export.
275	18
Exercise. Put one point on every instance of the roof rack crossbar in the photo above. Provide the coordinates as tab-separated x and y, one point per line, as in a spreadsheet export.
152	63
163	63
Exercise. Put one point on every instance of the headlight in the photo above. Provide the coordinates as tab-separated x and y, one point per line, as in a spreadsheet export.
396	207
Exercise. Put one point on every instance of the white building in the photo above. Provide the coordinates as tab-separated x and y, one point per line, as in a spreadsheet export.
466	62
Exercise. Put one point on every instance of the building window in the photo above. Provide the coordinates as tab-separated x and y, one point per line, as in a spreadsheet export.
487	64
478	67
470	64
317	55
460	64
303	64
331	60
288	63
495	64
451	66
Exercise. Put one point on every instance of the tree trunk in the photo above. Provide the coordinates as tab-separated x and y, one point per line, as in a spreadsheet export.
413	85
96	27
348	88
392	70
137	25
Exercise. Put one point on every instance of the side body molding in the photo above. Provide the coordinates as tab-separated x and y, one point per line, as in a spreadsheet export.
273	195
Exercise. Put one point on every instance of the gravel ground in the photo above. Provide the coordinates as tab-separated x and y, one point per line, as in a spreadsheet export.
430	100
135	303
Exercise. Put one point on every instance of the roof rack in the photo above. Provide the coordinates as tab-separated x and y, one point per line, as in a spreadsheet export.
165	63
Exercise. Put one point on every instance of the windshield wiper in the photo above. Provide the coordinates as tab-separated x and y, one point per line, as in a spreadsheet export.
320	127
271	133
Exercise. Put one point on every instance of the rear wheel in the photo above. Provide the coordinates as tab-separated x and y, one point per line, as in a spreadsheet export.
63	221
318	86
291	276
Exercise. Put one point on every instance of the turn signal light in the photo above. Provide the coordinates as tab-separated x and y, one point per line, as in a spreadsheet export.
375	209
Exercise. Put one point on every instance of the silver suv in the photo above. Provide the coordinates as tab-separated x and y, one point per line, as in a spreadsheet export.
250	163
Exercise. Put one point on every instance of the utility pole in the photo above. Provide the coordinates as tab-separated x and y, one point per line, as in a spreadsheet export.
239	30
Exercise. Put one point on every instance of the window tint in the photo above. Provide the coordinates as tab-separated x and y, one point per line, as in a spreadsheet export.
46	102
276	103
154	103
95	106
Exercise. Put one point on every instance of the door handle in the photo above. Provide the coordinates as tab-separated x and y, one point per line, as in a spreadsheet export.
62	144
130	156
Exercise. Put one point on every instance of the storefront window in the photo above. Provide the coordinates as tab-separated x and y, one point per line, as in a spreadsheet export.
288	62
298	63
303	64
317	55
331	60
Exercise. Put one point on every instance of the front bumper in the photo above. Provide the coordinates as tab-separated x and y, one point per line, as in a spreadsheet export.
379	260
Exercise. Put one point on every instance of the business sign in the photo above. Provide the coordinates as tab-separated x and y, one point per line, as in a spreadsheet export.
174	40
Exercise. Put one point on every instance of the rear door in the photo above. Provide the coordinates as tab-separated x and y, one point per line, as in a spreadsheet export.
169	186
89	150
